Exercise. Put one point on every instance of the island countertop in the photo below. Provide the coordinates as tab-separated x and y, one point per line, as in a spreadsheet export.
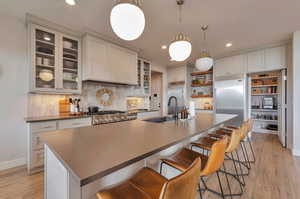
93	152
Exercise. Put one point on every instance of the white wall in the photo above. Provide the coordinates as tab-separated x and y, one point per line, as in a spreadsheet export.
13	86
296	93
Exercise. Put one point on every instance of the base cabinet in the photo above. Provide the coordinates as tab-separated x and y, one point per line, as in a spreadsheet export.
35	151
147	115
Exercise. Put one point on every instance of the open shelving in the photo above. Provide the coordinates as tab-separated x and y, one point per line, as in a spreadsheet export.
265	100
202	84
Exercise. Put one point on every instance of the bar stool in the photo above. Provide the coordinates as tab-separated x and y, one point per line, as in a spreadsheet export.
209	164
234	142
148	184
244	131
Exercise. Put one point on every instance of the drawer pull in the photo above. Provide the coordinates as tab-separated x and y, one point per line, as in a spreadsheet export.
75	124
48	127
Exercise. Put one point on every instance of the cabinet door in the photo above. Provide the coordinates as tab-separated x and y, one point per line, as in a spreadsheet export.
256	61
222	67
70	65
44	59
122	64
95	60
275	58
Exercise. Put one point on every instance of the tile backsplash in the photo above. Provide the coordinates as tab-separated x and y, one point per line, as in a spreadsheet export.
44	105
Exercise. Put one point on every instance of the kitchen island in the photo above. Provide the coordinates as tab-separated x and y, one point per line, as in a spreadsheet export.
81	161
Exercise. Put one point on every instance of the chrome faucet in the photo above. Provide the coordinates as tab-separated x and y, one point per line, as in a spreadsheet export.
176	105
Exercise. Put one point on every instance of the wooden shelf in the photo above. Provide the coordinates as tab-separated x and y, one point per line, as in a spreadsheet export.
201	96
267	94
266	77
200	85
177	83
201	73
259	86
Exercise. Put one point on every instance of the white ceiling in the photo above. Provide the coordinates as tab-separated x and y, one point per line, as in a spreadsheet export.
245	23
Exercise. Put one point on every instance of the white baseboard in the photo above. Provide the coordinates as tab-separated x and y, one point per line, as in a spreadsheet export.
12	163
296	152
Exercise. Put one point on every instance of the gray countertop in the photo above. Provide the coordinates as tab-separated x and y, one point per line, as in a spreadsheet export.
93	152
54	117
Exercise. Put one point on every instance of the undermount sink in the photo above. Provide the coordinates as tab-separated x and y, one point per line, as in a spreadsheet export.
160	119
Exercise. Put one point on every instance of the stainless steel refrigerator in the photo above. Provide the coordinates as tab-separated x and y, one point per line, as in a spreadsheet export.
230	96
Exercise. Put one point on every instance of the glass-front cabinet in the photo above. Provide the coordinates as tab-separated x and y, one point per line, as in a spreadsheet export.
144	76
55	62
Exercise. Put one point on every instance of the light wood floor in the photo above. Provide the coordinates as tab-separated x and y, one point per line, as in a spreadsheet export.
276	175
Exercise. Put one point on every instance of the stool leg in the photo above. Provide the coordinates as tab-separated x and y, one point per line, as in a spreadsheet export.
240	165
236	171
245	157
200	192
252	151
220	184
230	193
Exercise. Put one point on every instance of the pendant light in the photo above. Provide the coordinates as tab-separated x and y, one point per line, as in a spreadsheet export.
127	19
205	61
180	49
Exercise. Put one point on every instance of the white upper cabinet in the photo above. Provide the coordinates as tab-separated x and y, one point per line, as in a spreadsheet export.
275	58
262	60
230	66
267	59
176	74
55	61
256	61
106	62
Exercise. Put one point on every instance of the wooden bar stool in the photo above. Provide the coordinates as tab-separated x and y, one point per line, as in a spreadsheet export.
148	184
209	164
234	142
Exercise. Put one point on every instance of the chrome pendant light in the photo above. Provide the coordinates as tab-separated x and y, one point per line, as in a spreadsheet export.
127	19
180	49
205	61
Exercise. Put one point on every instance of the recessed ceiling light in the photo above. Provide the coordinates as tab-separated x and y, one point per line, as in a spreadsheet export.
164	47
228	45
71	2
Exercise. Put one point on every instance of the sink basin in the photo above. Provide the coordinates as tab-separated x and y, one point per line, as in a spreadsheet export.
160	119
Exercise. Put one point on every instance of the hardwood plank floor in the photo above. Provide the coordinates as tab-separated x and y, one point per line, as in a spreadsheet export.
276	175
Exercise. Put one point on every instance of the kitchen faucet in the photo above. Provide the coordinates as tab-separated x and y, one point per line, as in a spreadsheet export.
176	105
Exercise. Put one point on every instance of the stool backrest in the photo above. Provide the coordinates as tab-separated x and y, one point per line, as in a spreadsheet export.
244	130
235	140
183	185
216	157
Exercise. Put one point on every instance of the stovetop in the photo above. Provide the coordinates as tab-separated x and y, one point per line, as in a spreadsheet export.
106	112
